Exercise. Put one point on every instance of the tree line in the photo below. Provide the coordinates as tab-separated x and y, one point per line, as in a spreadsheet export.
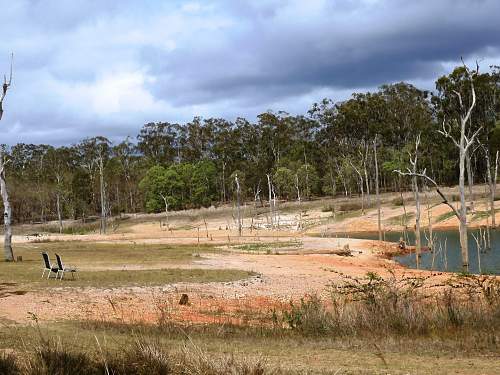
327	151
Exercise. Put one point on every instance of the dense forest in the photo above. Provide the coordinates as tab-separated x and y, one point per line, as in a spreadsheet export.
326	152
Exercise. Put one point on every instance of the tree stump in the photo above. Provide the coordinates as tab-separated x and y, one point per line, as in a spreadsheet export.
184	299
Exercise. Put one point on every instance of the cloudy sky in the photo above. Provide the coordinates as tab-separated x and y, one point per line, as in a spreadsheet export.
97	67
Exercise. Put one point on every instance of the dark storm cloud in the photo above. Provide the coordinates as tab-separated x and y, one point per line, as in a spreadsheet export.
89	67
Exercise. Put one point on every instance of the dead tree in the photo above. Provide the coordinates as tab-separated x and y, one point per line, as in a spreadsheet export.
358	172
413	172
297	187
165	201
238	208
7	210
463	144
102	192
377	192
270	190
58	201
418	243
492	182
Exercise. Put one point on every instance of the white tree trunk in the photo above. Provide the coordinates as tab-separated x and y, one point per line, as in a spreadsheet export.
464	246
59	214
103	196
377	192
7	211
238	203
270	200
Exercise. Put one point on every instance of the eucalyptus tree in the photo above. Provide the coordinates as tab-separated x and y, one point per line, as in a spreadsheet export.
126	154
156	141
59	165
94	156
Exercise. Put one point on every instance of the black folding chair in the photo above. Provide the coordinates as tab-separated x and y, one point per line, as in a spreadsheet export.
63	269
48	266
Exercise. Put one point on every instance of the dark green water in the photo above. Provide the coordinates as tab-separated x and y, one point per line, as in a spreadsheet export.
451	259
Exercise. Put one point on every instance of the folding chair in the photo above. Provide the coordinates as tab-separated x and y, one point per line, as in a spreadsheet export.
48	266
63	269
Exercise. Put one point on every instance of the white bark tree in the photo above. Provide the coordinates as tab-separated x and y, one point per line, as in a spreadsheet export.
238	203
491	175
463	143
271	208
418	242
377	191
7	210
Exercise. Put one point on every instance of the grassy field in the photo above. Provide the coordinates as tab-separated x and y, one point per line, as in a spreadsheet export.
109	265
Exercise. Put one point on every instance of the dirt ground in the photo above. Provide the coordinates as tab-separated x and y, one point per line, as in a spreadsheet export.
302	269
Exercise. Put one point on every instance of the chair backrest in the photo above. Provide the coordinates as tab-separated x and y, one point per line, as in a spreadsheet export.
59	262
46	260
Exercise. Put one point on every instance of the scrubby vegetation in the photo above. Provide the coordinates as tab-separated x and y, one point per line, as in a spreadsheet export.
402	315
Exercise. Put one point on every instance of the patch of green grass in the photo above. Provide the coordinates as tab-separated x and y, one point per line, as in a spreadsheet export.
108	265
444	216
347	215
267	246
400	220
479	215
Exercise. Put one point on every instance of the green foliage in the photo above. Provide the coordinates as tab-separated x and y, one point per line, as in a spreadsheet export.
284	179
180	185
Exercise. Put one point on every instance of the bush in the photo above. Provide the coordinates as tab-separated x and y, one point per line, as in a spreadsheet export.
399	307
144	357
350	206
398	201
8	365
328	208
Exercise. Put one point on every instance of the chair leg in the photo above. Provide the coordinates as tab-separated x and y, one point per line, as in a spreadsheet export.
48	274
43	273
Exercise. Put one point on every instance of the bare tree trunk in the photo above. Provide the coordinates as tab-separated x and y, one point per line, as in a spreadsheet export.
165	201
7	211
297	186
238	203
224	182
464	246
103	196
360	186
271	209
377	192
470	179
418	242
463	144
59	215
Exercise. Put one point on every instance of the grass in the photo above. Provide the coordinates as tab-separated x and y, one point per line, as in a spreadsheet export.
110	265
268	246
444	216
479	215
400	219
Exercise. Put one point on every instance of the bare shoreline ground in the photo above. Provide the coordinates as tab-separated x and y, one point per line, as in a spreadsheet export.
305	270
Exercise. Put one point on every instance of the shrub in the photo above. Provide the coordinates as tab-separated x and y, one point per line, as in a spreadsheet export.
350	206
8	365
399	307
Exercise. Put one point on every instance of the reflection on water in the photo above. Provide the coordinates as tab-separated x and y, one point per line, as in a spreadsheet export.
450	259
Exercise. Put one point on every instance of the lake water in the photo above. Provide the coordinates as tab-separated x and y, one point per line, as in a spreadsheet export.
451	259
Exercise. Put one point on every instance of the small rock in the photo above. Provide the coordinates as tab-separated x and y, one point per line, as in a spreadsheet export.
184	299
